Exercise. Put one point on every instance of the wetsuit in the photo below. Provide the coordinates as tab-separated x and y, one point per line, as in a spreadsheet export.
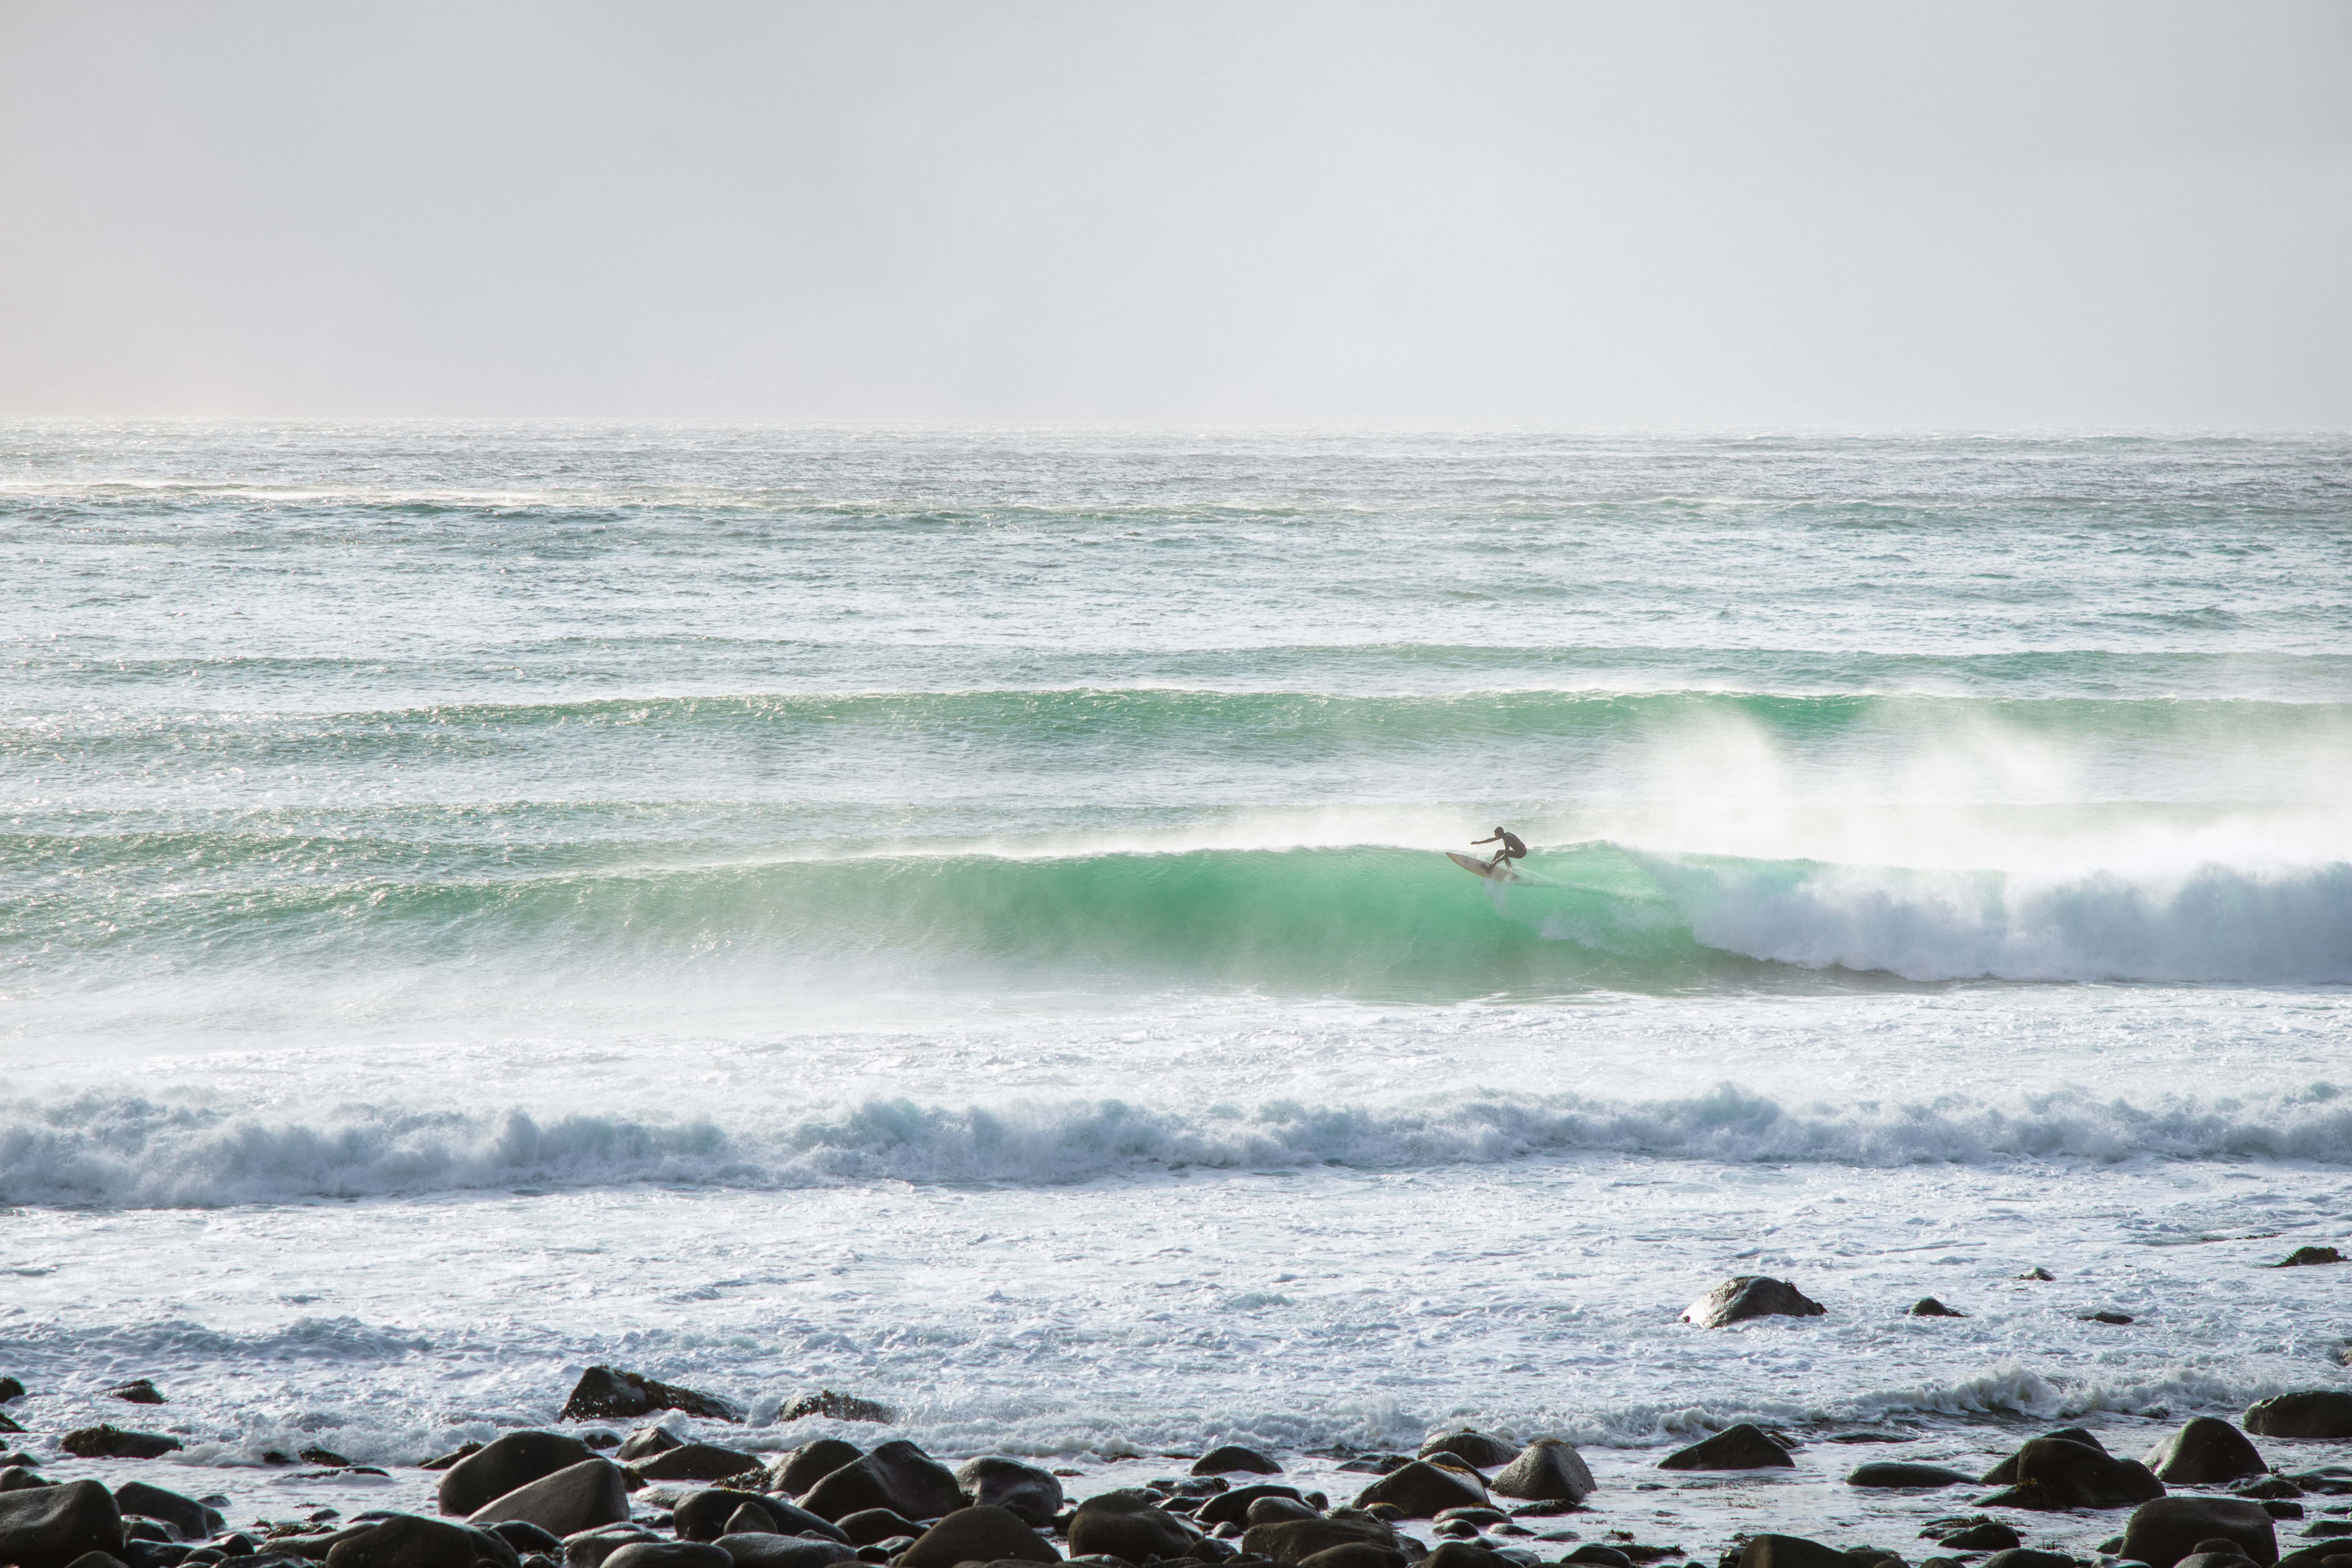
1512	847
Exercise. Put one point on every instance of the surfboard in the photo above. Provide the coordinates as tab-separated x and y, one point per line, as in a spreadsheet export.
1475	867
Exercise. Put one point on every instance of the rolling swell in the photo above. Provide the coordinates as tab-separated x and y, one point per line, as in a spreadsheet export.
114	1150
1356	921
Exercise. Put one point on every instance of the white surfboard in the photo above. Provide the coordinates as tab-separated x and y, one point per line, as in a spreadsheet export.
1501	872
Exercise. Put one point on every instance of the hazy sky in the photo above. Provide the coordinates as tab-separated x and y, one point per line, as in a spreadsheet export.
1557	213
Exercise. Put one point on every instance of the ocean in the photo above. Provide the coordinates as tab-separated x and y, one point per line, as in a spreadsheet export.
958	917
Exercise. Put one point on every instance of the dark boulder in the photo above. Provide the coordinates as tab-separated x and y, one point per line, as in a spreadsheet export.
2204	1451
2027	1557
8	1425
606	1392
1988	1535
645	1443
2303	1257
1233	1507
698	1462
2038	1272
138	1391
103	1442
100	1560
766	1549
1928	1307
1463	1554
526	1538
514	1460
2106	1316
10	1389
1770	1550
1355	1554
793	1519
2162	1532
1545	1471
1230	1458
670	1554
407	1541
1750	1296
2055	1474
586	1496
811	1463
190	1519
834	1406
1474	1448
449	1461
589	1548
703	1514
1031	1495
897	1476
48	1527
1895	1473
876	1524
1274	1510
1740	1447
1294	1540
20	1478
1128	1524
1423	1491
2321	1413
987	1534
2005	1472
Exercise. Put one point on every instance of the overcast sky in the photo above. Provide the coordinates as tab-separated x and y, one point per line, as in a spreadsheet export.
1562	214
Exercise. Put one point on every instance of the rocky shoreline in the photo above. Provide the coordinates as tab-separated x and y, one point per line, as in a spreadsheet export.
664	1497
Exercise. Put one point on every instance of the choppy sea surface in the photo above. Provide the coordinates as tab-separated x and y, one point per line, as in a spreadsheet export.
958	917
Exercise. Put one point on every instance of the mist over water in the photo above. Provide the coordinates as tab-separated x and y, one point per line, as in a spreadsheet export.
839	839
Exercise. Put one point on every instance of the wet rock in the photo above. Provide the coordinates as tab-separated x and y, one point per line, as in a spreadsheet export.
579	1496
1594	1551
1296	1540
2303	1257
1546	1470
2105	1316
1423	1491
2230	1558
2160	1534
1990	1535
2005	1472
793	1519
20	1477
499	1467
811	1463
1228	1507
589	1548
407	1541
1895	1474
703	1514
8	1425
1748	1296
2203	1452
1230	1458
1740	1447
2055	1474
2027	1557
767	1550
189	1519
526	1538
1928	1307
1355	1554
104	1442
1270	1510
834	1406
48	1527
10	1389
988	1533
1031	1495
896	1476
696	1462
1463	1554
2038	1272
1770	1551
645	1443
138	1391
874	1524
669	1554
1474	1449
609	1394
2321	1413
96	1560
1127	1524
449	1460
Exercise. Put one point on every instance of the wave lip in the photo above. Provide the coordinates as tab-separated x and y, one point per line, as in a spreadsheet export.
129	1151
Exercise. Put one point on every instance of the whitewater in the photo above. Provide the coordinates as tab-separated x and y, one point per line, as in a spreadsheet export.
958	916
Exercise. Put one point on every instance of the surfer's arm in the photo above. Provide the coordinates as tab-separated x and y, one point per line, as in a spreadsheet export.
1496	840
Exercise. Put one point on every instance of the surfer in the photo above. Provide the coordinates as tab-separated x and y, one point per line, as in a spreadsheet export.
1513	848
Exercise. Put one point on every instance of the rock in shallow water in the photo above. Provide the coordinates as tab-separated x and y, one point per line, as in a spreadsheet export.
2162	1532
1740	1447
499	1467
837	1408
2053	1473
1231	1458
1298	1539
1031	1495
586	1496
669	1554
696	1462
104	1442
191	1518
1128	1524
1423	1491
1748	1296
138	1391
896	1476
1474	1449
987	1534
2319	1413
1928	1307
1546	1470
2205	1450
2304	1257
407	1541
608	1392
768	1550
